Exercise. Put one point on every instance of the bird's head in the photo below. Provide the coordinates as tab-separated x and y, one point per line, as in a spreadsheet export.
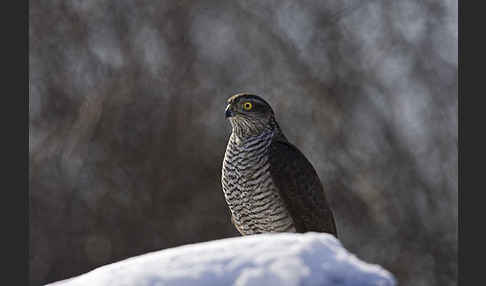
250	115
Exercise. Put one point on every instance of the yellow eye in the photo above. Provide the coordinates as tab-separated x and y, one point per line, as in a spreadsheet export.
247	105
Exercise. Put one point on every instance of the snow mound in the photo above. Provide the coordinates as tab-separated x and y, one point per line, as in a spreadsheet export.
264	259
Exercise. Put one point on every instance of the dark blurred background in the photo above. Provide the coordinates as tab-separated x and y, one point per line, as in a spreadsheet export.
127	130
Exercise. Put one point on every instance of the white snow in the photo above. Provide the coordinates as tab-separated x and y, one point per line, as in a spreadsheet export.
264	259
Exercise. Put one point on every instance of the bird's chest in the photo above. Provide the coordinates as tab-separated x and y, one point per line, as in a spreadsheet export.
249	190
245	174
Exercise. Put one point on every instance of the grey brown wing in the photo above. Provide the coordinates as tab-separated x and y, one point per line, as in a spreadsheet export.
301	189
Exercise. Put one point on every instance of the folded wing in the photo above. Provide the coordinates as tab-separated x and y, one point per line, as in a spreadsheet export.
300	188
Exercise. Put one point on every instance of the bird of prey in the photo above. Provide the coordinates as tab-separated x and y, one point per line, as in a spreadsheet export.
268	184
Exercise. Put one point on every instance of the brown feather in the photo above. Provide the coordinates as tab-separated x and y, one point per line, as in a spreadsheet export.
300	188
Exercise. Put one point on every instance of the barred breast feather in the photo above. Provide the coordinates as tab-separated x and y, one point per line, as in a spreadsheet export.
254	200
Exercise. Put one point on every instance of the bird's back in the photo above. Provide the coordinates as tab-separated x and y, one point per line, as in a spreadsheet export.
300	188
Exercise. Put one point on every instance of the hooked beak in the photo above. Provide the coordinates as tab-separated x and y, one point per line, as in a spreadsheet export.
228	112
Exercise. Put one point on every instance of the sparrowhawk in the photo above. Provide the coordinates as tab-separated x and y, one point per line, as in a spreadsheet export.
268	184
